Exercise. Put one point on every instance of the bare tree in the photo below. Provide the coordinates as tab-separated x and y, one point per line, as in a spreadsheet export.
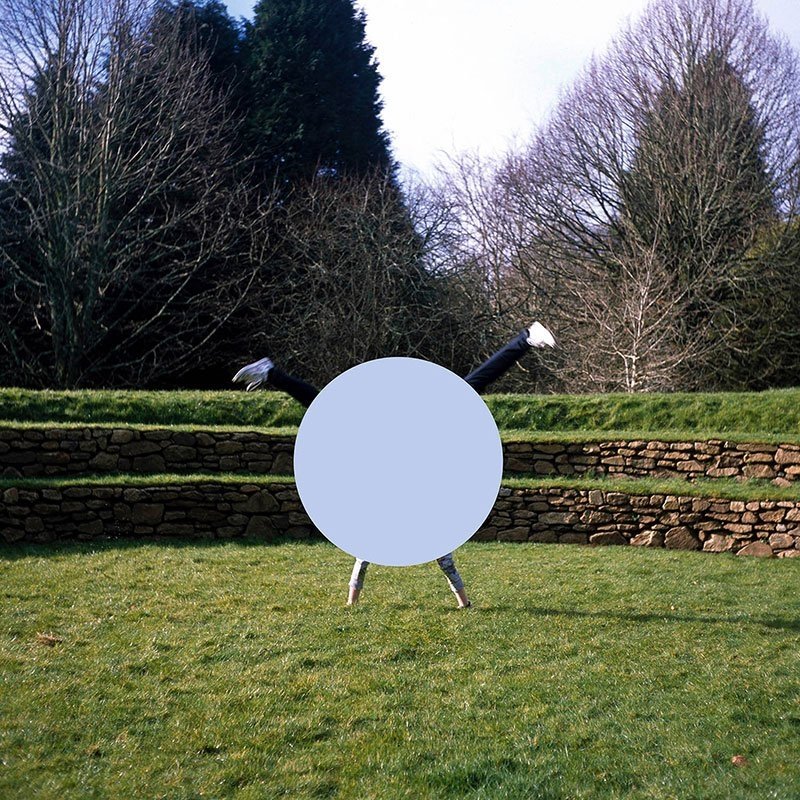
481	244
652	181
344	280
122	230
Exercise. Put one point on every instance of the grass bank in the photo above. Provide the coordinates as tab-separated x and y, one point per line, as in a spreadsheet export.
233	671
770	413
722	488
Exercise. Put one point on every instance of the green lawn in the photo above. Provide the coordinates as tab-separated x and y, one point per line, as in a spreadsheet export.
724	414
232	669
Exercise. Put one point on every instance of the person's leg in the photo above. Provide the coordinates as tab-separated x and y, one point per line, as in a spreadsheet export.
301	391
496	365
263	372
357	581
448	566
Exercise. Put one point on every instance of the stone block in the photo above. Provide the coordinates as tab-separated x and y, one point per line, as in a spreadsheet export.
595	517
228	448
147	513
607	538
558	518
781	541
140	448
259	503
735	527
718	543
154	463
759	471
157	435
681	538
104	461
34	525
175	529
787	455
648	539
14	534
515	535
179	453
284	465
11	495
727	472
760	549
92	528
261	526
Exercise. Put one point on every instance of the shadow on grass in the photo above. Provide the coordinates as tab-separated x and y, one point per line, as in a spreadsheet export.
12	552
781	623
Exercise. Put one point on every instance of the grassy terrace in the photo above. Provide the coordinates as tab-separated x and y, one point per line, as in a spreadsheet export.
722	488
233	670
764	416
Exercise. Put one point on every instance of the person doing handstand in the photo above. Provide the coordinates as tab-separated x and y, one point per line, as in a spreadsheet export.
263	373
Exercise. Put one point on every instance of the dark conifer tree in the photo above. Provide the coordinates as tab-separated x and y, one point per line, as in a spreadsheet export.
313	85
208	26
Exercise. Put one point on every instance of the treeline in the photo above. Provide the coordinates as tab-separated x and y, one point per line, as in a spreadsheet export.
181	193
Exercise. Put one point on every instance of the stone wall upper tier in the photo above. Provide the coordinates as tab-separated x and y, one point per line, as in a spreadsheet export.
73	451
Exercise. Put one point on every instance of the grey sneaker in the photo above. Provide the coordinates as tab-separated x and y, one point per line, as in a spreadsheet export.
539	336
255	374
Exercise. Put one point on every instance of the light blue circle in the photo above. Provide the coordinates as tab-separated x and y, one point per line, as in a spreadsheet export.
398	461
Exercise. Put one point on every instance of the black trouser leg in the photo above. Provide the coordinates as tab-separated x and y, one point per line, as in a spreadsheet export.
495	366
488	372
301	391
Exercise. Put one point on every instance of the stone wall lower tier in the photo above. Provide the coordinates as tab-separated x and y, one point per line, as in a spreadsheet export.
224	510
72	451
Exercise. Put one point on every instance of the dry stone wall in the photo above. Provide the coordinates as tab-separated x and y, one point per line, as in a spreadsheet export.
207	510
707	459
577	516
72	451
226	510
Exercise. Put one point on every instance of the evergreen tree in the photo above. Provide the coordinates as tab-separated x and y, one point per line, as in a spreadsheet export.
208	26
697	197
699	190
313	84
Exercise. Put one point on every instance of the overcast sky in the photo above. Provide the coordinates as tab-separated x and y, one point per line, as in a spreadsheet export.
480	74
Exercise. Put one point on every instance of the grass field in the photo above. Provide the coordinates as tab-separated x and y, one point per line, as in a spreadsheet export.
767	413
232	670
